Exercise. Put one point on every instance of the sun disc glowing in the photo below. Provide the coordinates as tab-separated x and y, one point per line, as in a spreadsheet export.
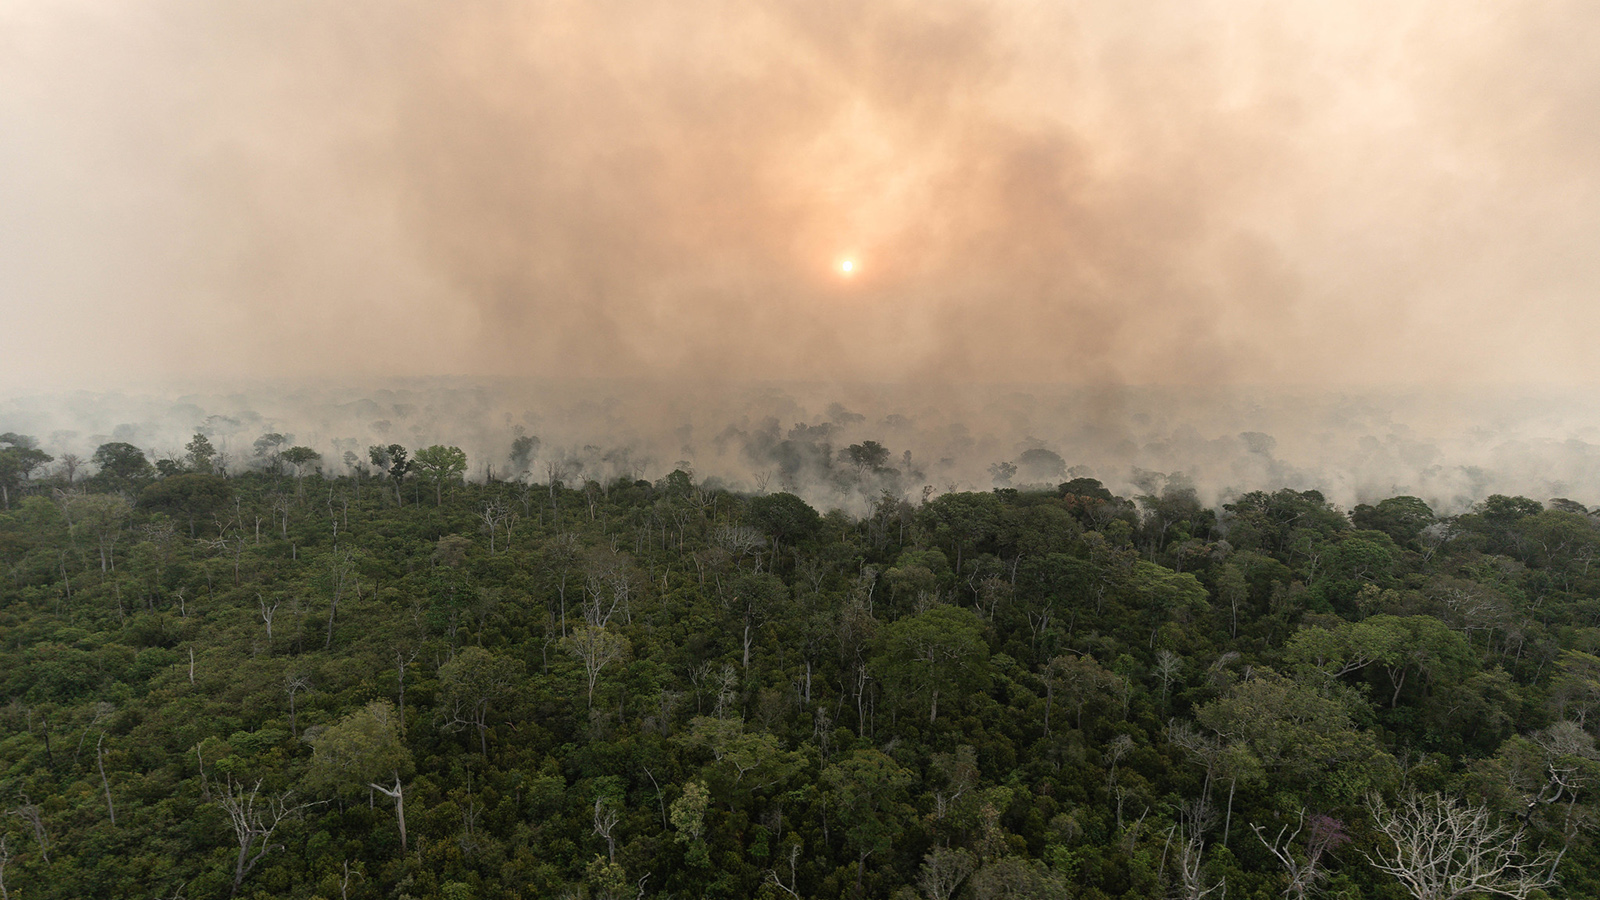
847	266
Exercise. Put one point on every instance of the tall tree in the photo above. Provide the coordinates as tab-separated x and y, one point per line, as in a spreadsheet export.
200	454
473	681
122	465
269	449
363	751
937	653
1443	849
392	461
19	457
254	819
441	465
302	458
866	792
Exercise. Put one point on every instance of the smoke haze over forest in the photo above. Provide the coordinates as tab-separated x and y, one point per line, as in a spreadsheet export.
1452	449
1128	233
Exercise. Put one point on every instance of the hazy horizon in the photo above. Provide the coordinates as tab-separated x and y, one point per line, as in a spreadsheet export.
1451	449
1365	230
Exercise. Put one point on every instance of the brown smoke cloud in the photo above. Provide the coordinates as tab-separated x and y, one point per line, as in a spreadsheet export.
1085	193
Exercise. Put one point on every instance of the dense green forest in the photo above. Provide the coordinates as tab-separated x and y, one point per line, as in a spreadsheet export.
398	683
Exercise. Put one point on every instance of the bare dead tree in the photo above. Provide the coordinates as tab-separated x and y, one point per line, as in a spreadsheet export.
294	683
254	819
29	813
496	515
100	761
942	872
608	587
344	882
1197	817
794	865
340	565
1303	865
267	612
596	648
1444	849
605	824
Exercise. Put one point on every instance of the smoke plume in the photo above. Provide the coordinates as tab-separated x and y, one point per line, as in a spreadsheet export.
1089	193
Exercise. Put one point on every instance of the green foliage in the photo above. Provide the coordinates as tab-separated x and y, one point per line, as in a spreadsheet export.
121	464
440	465
19	457
192	497
940	652
996	694
689	812
784	516
1401	518
364	747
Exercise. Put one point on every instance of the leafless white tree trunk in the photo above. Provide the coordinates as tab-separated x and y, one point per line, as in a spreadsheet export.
254	819
1303	866
1444	849
605	822
29	813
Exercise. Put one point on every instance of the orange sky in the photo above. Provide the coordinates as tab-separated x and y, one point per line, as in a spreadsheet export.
1170	192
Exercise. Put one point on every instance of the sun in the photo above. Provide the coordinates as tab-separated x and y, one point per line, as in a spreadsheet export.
847	266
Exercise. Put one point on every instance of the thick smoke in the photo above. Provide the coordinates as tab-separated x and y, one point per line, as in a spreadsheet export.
1243	244
1450	449
1091	193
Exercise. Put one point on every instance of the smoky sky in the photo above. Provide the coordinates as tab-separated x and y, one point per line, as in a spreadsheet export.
1223	192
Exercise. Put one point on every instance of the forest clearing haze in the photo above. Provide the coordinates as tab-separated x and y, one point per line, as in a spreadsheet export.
1132	234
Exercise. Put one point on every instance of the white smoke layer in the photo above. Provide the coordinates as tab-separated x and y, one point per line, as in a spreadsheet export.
1450	449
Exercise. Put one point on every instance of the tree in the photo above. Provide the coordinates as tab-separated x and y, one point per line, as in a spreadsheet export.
300	458
1575	691
1276	521
963	519
19	456
596	648
1398	645
785	517
1303	866
121	465
106	517
523	447
1016	878
1401	518
866	792
1443	849
689	812
441	465
363	751
1040	466
1002	472
940	652
471	682
943	871
391	461
1079	679
1297	734
752	758
867	455
201	454
254	819
192	496
268	449
758	596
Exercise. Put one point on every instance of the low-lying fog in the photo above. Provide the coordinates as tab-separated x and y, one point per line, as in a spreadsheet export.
1450	449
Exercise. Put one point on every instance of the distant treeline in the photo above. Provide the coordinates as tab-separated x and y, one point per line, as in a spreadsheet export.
267	681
